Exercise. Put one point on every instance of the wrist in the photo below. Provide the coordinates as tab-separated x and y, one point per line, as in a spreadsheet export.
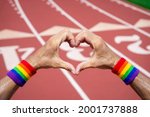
33	61
115	59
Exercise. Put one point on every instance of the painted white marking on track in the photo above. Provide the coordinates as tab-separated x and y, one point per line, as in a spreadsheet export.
89	4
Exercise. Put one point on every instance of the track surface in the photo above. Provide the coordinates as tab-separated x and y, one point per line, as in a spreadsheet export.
25	26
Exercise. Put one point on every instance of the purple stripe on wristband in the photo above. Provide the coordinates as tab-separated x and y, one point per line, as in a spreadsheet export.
18	76
14	78
132	77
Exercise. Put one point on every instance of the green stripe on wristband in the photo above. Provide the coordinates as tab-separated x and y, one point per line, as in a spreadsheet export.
127	73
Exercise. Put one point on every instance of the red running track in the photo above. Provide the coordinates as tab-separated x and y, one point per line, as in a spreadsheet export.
25	26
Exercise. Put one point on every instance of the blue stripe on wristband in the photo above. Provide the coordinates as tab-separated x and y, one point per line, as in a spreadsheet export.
134	75
126	80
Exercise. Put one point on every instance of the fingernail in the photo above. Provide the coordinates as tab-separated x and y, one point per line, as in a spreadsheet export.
77	72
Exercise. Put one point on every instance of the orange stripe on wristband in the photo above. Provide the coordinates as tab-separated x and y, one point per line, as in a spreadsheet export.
32	69
23	71
122	67
26	69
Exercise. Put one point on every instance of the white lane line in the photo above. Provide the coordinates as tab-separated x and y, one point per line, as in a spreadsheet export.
59	9
27	21
42	42
115	18
125	4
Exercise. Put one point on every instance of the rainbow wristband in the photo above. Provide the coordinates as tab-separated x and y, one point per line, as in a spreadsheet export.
21	73
125	71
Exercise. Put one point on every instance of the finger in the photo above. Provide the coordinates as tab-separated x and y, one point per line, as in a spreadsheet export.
65	65
60	37
70	39
83	66
83	37
66	35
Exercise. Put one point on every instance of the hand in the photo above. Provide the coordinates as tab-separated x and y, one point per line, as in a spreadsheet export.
102	57
48	55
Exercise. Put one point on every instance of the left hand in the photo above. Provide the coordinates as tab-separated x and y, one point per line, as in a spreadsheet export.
48	55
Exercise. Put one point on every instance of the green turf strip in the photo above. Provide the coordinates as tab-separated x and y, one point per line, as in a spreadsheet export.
143	3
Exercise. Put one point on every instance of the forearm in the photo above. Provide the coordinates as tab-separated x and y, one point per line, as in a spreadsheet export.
7	88
141	85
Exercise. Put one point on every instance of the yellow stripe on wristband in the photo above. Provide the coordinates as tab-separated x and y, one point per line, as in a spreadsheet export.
128	65
23	71
128	72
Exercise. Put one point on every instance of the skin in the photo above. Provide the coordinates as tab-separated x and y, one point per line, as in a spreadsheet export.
104	58
48	57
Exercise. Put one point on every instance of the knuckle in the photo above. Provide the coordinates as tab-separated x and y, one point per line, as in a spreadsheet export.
85	33
66	30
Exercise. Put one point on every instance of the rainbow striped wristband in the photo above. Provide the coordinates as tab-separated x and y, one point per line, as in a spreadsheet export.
21	73
125	71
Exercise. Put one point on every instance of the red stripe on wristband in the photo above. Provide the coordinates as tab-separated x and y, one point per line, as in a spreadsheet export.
32	69
122	67
118	65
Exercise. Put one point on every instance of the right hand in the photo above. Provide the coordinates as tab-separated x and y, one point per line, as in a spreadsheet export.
103	57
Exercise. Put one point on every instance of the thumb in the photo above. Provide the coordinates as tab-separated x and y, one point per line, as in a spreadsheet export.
65	65
83	65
